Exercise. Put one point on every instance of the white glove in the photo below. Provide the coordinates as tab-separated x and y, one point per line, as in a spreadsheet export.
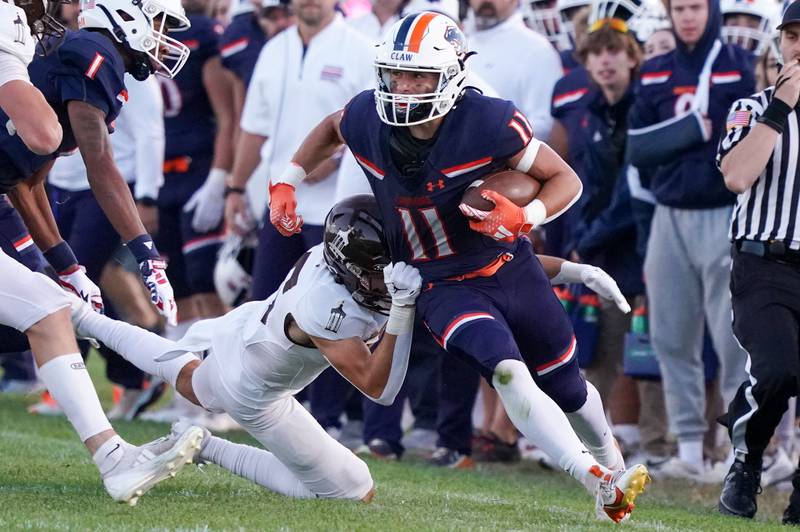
403	283
208	202
79	284
155	280
594	278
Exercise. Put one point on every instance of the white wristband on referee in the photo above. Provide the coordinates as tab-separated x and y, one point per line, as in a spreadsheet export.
535	213
293	175
401	320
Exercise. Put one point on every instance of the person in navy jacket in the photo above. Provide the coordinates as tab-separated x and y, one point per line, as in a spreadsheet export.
682	99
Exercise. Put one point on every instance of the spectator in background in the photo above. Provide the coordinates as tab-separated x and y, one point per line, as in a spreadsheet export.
681	103
374	23
520	64
605	232
572	27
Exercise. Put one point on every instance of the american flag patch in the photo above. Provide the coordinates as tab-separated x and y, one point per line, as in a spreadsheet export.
737	119
331	73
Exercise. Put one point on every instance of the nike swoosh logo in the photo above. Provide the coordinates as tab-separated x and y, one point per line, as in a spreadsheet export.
112	450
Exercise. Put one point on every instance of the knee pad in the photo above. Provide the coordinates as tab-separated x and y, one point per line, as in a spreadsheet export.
565	386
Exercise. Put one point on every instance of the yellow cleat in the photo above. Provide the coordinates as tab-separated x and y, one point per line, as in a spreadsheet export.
618	491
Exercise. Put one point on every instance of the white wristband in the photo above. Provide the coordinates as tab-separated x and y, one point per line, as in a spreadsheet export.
531	150
535	213
401	320
569	273
293	175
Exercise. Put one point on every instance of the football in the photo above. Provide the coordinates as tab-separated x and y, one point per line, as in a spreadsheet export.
517	186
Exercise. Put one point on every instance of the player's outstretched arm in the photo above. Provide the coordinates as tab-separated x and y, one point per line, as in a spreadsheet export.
561	271
319	145
380	374
116	200
30	116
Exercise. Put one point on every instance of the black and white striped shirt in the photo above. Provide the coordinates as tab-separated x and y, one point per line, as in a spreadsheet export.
768	209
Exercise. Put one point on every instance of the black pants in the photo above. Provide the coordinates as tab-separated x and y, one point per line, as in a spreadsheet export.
766	322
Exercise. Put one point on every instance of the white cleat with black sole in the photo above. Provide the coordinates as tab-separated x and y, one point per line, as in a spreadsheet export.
143	467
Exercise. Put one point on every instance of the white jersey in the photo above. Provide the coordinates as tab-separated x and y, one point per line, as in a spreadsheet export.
256	360
17	45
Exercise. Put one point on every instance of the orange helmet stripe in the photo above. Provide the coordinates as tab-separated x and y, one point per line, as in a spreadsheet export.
418	32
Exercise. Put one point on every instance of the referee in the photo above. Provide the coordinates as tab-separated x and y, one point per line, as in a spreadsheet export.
759	158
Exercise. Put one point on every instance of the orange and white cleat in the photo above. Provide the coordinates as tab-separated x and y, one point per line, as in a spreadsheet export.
617	491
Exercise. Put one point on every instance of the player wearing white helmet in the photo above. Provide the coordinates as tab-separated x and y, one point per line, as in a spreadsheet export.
34	304
542	17
749	23
414	136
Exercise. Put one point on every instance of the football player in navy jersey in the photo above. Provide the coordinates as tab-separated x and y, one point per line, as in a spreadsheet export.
422	138
31	302
82	81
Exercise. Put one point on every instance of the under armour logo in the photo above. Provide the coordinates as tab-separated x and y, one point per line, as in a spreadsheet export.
431	185
19	24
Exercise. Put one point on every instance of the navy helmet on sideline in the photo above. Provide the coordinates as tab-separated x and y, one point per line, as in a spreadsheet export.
41	15
355	250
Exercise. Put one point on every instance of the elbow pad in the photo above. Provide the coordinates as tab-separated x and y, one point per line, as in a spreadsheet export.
661	143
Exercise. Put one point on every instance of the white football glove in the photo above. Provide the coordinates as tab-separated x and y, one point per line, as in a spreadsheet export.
208	202
154	277
403	283
79	284
594	278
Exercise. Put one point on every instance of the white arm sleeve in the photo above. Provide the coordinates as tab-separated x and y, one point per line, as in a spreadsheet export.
15	41
397	373
12	69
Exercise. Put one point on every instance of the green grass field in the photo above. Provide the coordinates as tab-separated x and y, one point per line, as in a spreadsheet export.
48	482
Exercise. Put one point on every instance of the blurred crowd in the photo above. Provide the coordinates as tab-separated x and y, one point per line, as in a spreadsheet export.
597	79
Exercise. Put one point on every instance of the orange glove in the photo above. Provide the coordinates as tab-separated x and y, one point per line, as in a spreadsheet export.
505	222
282	205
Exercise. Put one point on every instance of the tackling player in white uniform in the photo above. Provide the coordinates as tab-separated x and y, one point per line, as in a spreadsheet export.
34	304
333	305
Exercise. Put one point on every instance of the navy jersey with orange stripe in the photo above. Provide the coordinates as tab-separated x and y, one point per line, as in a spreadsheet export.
424	226
189	124
85	66
241	44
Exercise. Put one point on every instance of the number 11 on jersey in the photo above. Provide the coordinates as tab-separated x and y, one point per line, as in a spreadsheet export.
430	217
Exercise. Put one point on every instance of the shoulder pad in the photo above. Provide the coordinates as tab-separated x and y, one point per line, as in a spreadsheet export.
15	35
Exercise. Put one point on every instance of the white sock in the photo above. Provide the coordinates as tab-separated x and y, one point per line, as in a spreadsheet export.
176	332
691	452
546	426
138	346
109	454
590	424
69	383
256	465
